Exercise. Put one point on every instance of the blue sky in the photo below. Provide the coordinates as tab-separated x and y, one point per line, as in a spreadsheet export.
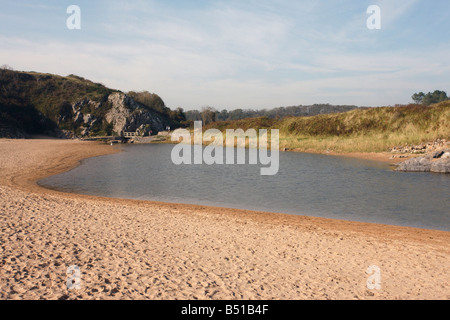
238	54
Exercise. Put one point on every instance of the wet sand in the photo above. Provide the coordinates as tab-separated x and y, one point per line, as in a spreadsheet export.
129	249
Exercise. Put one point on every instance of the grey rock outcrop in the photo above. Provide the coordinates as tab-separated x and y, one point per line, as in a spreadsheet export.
121	112
441	166
127	115
438	162
420	164
86	120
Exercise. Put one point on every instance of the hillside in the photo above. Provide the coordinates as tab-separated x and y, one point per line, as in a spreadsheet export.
275	113
37	103
359	130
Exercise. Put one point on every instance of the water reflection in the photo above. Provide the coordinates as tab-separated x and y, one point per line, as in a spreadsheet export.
306	184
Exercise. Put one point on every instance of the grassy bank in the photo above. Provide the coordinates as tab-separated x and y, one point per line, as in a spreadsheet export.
364	130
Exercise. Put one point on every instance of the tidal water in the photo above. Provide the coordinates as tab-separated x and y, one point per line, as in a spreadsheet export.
306	184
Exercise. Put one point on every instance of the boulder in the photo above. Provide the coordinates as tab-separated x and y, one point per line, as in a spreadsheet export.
420	164
438	154
437	162
441	166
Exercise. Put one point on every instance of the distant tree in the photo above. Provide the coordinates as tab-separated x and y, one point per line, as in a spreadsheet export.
6	67
236	114
281	112
150	100
429	98
222	115
177	115
208	115
418	97
193	115
443	96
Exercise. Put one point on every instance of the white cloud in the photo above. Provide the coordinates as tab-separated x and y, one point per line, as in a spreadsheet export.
231	56
393	10
190	80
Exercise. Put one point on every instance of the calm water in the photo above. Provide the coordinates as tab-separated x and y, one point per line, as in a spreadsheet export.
306	184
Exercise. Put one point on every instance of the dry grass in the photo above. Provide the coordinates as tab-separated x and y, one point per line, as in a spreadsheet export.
366	130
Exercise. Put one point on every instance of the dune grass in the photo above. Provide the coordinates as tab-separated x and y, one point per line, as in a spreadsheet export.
360	130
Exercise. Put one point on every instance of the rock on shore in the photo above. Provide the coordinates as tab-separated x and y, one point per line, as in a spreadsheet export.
438	162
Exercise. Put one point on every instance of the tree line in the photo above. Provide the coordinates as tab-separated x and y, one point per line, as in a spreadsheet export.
430	98
154	102
210	114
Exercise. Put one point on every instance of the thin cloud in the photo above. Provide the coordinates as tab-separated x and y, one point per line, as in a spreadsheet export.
239	54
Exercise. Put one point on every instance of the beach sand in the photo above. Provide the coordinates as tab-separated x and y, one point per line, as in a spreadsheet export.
128	249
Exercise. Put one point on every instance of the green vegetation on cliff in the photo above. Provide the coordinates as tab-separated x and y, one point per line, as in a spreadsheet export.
40	103
31	102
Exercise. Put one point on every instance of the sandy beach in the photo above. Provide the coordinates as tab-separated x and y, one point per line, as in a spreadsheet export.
128	249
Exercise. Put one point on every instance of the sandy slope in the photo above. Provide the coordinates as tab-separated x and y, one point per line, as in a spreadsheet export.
146	250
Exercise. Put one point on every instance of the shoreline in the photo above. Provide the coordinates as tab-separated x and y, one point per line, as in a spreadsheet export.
384	157
19	180
30	183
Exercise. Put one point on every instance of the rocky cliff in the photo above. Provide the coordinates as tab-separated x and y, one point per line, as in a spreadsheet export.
129	115
36	103
120	114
